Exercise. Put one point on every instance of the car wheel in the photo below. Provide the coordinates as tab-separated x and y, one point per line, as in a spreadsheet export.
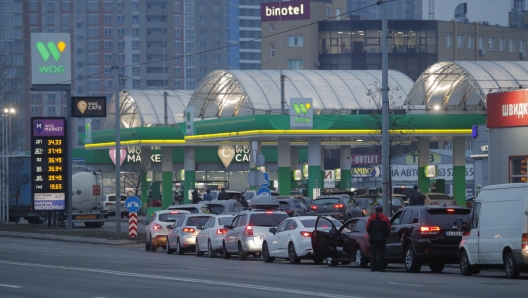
294	259
265	254
361	262
169	250
437	267
225	254
210	251
242	255
465	267
331	262
411	262
512	270
153	248
147	244
318	260
197	250
180	250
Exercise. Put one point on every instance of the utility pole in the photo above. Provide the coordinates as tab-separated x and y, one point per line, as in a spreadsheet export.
117	126
283	100
385	146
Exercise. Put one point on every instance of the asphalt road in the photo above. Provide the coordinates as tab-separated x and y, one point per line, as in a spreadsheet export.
40	268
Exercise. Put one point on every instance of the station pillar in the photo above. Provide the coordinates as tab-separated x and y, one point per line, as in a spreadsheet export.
284	172
424	183
345	164
189	166
459	171
314	166
166	177
294	165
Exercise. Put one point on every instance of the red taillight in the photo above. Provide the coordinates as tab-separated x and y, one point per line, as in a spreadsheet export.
429	230
313	207
157	227
269	212
188	230
221	231
365	212
450	210
339	206
466	233
524	241
248	231
175	212
306	234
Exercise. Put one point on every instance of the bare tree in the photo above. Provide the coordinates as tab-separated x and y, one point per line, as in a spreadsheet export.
401	138
135	172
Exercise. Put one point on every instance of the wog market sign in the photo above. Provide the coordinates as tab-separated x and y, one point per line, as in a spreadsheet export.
50	59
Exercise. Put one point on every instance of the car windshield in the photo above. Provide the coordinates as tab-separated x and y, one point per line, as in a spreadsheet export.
194	210
197	221
168	217
363	202
216	208
447	216
267	219
225	220
326	201
396	201
234	195
284	205
439	197
310	223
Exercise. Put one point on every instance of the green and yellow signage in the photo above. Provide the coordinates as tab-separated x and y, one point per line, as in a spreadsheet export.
50	59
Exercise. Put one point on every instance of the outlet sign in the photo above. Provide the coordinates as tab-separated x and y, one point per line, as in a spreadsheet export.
50	59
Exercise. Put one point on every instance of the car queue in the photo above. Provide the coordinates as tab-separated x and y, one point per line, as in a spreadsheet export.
431	235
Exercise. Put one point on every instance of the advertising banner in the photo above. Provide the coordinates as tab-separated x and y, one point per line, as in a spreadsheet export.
50	59
365	159
285	11
507	109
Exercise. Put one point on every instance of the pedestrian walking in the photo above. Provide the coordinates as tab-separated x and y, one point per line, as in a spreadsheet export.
417	198
208	196
195	197
378	228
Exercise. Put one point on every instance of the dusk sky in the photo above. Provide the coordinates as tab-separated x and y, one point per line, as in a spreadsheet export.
493	11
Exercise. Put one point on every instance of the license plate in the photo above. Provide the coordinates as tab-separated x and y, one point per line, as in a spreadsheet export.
452	233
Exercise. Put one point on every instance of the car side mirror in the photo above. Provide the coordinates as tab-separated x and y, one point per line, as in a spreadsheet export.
272	230
169	227
227	227
415	220
202	228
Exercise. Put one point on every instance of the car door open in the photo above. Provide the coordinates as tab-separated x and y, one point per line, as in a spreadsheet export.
324	238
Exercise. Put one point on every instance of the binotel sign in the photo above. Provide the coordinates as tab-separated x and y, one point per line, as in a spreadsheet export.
50	58
301	113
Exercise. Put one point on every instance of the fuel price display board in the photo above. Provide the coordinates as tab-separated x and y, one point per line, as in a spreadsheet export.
48	163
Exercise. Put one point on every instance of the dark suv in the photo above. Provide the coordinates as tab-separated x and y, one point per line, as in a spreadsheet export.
340	207
294	206
426	234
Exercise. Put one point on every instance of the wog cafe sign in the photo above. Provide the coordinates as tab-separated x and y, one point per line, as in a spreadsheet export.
50	58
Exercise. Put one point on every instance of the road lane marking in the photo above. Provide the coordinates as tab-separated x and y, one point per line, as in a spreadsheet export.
10	286
188	280
6	250
118	261
197	268
411	285
51	255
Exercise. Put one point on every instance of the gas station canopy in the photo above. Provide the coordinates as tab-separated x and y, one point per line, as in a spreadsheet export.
461	86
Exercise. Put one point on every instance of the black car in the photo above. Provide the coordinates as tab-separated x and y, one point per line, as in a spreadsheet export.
294	206
340	207
426	235
369	202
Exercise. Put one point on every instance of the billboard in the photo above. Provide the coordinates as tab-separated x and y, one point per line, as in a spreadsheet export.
507	109
89	106
285	11
50	59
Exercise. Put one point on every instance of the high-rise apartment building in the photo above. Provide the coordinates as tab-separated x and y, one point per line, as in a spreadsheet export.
396	10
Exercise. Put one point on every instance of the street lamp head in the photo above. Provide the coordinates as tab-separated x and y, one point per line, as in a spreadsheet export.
12	111
6	110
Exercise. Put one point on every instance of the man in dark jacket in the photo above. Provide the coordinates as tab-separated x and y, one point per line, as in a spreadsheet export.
223	195
195	197
378	228
417	198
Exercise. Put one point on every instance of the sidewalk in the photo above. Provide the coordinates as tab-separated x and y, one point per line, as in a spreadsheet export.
71	238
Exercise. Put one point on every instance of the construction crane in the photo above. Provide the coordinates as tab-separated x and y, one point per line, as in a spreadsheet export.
431	9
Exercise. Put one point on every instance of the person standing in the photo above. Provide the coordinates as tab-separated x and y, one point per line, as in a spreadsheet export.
195	197
208	196
417	198
223	195
378	228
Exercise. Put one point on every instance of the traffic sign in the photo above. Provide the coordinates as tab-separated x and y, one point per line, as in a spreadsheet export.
256	178
132	224
266	180
263	191
133	204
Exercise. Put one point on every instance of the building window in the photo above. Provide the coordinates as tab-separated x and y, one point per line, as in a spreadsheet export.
189	47
121	45
93	32
65	30
338	14
93	19
521	46
135	84
135	58
189	72
33	5
135	6
203	20
135	71
50	19
216	59
272	27
203	58
189	21
50	6
51	111
34	97
189	34
120	19
65	18
460	41
502	44
203	33
480	43
33	18
216	7
190	85
65	5
216	21
328	11
93	58
295	41
108	45
107	32
176	20
491	42
107	6
512	46
108	84
177	33
107	58
296	64
34	110
188	8
135	32
51	30
216	45
449	40
272	50
471	42
108	19
216	33
177	71
33	30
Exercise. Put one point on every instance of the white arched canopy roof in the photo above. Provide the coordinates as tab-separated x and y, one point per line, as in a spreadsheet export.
146	108
228	93
463	85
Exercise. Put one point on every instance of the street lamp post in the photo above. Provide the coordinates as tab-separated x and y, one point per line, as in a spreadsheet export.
6	150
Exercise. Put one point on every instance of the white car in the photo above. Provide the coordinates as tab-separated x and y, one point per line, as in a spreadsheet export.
158	227
108	203
292	240
182	236
210	238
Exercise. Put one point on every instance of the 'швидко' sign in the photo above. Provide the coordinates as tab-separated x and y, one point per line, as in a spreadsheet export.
285	11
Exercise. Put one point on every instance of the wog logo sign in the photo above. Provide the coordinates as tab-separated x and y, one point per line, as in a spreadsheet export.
50	59
301	108
54	50
301	113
